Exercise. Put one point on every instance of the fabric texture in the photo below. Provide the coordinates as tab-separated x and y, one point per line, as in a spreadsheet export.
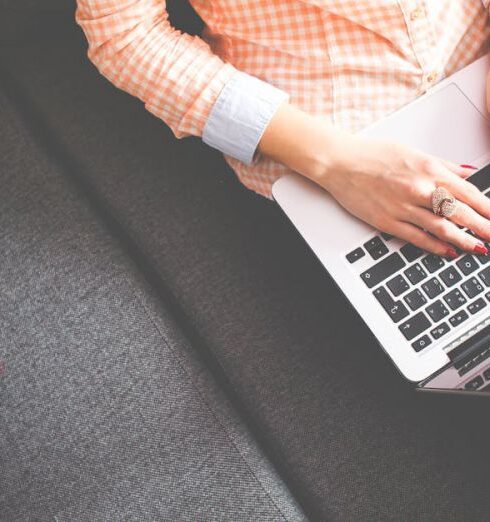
240	115
134	45
107	411
24	21
350	61
349	438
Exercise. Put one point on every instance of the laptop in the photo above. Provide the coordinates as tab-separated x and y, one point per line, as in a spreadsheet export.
430	315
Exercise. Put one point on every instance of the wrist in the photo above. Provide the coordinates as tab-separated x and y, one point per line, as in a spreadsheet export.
331	151
306	144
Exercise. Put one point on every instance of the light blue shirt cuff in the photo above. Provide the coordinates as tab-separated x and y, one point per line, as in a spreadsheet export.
240	116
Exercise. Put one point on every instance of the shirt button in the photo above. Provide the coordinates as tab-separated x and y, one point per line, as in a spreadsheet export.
416	13
431	77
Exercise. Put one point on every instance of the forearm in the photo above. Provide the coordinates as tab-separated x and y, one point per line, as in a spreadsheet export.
306	144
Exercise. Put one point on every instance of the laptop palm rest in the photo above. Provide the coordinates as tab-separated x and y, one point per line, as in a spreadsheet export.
448	125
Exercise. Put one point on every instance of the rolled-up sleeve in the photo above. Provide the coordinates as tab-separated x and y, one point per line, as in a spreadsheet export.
240	116
176	75
134	46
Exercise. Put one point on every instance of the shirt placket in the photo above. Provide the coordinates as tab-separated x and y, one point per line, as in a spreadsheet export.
421	33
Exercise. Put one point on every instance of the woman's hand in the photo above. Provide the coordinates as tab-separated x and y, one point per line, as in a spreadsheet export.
390	187
387	185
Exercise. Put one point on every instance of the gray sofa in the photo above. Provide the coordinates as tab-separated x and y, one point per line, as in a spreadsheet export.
169	347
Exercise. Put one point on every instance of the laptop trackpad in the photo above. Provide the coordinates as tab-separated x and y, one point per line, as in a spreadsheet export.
445	124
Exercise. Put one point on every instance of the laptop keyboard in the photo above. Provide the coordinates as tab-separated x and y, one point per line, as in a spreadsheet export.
425	295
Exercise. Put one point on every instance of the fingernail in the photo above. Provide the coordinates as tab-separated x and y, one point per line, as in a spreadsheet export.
481	249
452	254
469	167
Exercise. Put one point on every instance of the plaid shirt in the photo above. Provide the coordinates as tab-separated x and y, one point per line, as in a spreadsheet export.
352	61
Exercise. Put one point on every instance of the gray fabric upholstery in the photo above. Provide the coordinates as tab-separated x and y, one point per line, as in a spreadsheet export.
352	441
106	411
31	20
349	437
24	21
32	7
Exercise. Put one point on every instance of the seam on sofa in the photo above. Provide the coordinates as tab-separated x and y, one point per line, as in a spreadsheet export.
208	406
142	266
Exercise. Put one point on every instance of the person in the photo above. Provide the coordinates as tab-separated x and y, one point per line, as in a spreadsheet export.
284	85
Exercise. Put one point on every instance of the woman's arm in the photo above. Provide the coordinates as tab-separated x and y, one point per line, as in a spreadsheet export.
177	76
134	46
382	183
181	81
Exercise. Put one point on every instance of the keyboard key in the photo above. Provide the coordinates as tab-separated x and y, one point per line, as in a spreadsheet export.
458	318
376	248
450	276
481	179
484	259
377	254
433	288
415	274
437	311
411	252
472	287
386	236
473	363
395	309
485	276
415	300
433	262
486	374
479	358
421	344
440	330
474	384
414	326
355	255
467	264
467	367
398	285
382	270
455	299
373	243
476	306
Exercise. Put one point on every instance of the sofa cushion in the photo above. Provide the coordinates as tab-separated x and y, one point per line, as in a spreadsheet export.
351	439
106	411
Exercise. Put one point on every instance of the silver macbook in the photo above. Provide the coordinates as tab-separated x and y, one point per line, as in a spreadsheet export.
430	315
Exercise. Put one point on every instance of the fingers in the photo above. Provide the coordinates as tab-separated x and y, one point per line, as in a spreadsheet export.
448	231
469	194
473	209
471	168
420	238
463	171
467	217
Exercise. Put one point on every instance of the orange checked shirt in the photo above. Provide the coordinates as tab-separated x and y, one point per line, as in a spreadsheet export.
351	61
